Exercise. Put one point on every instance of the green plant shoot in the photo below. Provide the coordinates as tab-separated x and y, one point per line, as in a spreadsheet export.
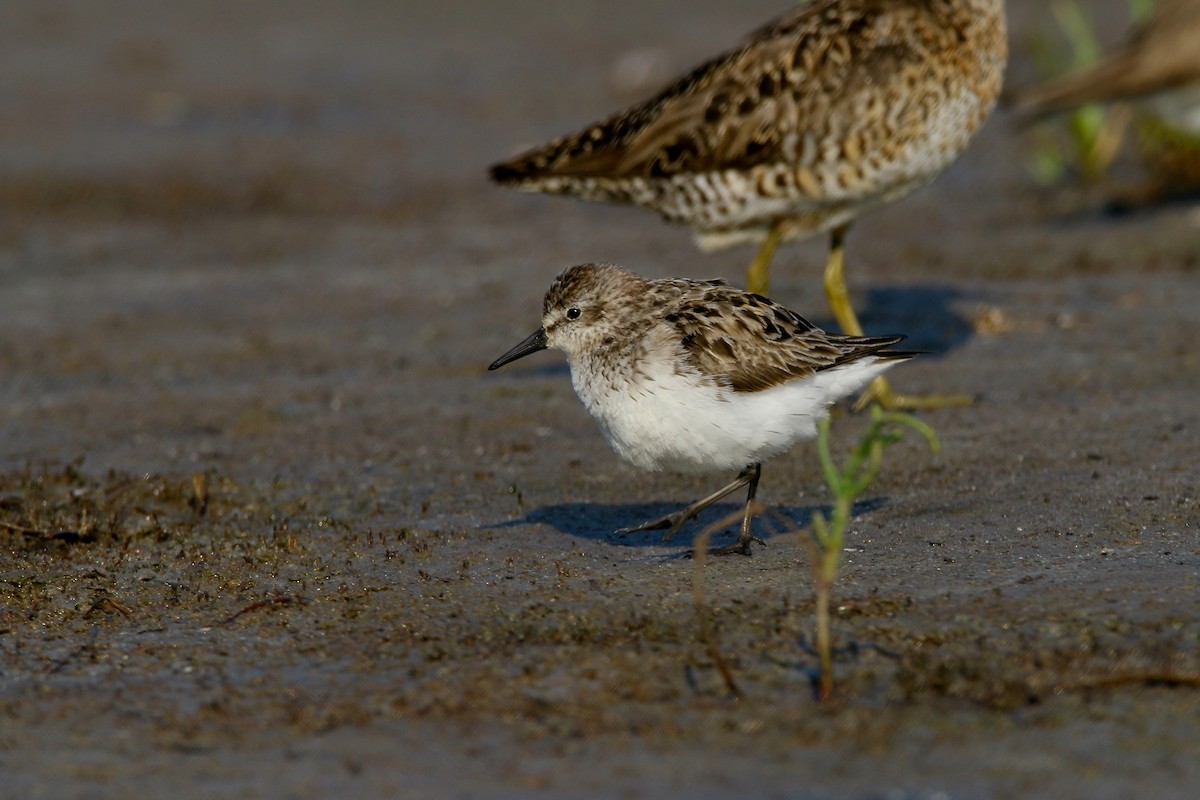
847	483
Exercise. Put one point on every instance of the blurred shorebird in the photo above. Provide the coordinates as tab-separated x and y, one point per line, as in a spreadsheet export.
1157	69
836	108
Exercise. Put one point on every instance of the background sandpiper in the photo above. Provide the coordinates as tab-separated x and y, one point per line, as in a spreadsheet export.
835	108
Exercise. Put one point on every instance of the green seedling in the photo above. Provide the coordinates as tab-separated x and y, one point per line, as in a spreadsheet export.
824	542
847	483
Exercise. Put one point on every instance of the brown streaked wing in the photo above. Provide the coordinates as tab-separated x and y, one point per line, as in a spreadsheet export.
750	343
750	102
726	114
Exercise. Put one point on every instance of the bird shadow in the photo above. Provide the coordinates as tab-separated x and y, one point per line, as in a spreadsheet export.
1148	200
925	314
600	521
1131	201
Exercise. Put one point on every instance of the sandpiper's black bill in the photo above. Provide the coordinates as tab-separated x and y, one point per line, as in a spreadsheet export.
534	342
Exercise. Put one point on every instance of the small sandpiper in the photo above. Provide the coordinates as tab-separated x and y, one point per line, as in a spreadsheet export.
696	376
833	109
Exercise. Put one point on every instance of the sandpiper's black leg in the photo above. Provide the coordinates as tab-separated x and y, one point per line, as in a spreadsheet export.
675	520
745	537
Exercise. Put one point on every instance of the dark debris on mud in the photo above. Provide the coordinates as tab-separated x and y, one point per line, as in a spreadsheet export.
174	584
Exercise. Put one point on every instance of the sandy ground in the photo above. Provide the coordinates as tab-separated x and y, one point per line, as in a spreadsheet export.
271	530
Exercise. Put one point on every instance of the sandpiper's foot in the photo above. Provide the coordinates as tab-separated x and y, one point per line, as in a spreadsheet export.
739	548
674	521
678	519
880	391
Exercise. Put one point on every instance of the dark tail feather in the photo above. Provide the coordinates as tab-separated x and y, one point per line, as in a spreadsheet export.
876	347
510	173
899	355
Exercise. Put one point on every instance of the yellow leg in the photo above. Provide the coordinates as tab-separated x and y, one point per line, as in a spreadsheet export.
757	278
880	390
835	285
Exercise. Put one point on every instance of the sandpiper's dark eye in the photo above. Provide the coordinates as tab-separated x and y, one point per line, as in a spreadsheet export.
573	313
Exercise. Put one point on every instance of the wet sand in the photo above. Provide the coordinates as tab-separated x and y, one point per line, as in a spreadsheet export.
253	243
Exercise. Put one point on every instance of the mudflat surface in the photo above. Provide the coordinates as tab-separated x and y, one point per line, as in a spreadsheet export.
269	529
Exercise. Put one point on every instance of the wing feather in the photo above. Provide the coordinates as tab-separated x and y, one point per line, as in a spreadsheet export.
750	343
752	105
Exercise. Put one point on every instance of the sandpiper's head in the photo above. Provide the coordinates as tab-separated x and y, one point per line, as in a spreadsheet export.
582	311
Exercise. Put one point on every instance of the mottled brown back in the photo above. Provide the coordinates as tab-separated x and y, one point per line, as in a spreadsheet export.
723	331
818	84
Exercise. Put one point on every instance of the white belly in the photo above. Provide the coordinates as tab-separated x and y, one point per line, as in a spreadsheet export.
682	423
